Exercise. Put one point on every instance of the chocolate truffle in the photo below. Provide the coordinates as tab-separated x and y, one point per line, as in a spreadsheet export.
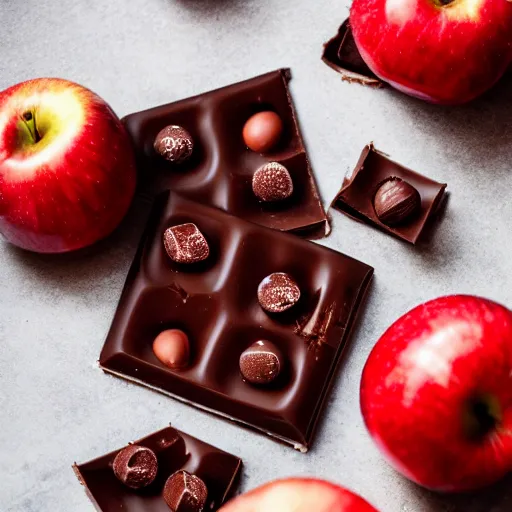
261	363
396	201
174	144
272	182
172	348
184	492
262	131
136	466
278	292
186	244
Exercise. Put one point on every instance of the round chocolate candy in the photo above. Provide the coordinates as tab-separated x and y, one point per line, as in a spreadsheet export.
184	492
172	348
396	201
136	466
272	182
174	144
186	244
261	363
278	292
262	131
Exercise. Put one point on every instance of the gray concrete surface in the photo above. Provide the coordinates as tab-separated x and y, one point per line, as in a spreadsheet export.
56	407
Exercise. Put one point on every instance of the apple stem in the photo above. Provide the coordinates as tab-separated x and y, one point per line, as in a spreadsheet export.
29	118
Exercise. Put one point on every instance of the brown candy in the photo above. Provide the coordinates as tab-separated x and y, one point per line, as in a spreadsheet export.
261	363
174	144
172	348
186	244
136	466
184	492
278	292
396	201
262	131
272	182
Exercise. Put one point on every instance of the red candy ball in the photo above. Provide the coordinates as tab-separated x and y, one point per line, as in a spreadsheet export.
262	131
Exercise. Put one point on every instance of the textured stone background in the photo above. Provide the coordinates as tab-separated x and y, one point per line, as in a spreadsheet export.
57	407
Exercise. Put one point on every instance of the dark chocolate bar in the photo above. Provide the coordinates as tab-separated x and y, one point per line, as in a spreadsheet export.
357	195
341	54
219	303
220	169
175	451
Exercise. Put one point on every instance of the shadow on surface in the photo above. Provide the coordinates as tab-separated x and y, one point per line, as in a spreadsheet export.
496	498
432	249
75	271
477	133
208	6
473	134
433	223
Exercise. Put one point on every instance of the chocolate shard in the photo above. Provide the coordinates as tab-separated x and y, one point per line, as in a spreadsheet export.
214	475
341	54
313	327
357	195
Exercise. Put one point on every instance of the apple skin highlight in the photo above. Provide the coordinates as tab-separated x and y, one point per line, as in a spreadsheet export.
67	168
299	495
442	52
436	393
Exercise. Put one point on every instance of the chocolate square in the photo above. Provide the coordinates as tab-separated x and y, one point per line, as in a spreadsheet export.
175	451
215	303
341	54
355	198
220	171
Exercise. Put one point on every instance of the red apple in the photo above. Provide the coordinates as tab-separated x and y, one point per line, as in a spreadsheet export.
67	169
299	495
436	393
443	51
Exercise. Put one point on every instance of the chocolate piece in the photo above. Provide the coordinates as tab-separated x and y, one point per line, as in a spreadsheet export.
174	144
184	492
219	173
221	308
135	466
262	131
186	244
278	292
261	363
272	182
396	202
175	451
171	347
356	197
342	55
